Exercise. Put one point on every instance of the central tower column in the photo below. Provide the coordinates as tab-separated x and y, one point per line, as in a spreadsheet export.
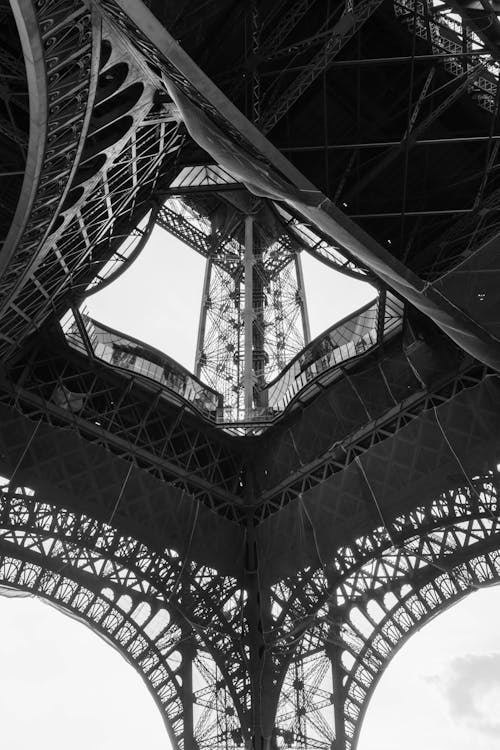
257	614
248	318
253	317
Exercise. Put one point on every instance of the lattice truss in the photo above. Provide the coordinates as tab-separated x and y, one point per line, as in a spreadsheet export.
220	361
277	322
102	411
328	631
345	620
156	608
282	305
98	196
278	332
448	34
278	296
332	629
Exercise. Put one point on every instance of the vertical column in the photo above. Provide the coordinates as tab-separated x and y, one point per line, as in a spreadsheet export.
248	374
334	652
302	299
264	688
263	693
338	697
187	649
200	344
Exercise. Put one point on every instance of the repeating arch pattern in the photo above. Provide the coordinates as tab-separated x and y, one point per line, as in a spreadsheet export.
117	620
110	143
149	605
342	623
416	607
174	619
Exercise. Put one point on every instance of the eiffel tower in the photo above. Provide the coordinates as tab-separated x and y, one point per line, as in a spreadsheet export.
260	536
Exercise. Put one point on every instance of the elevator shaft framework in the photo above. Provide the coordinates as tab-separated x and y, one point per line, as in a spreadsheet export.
260	582
253	317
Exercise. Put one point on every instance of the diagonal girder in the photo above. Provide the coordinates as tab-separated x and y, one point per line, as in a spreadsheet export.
341	33
208	113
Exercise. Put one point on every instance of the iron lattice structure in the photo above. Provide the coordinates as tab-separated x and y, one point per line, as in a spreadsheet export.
259	537
279	326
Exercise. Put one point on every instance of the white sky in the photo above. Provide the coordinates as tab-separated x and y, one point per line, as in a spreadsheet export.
442	690
61	684
158	298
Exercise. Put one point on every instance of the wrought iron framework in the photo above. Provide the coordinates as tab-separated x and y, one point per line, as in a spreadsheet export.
259	576
330	631
279	326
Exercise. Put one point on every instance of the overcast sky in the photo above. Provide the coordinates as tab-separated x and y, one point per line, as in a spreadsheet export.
442	690
61	686
158	299
64	688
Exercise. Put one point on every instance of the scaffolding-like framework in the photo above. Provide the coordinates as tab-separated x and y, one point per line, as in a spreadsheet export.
259	537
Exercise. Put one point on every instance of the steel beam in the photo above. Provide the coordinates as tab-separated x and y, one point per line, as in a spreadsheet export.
348	26
301	291
472	139
286	24
488	14
205	297
411	136
248	316
181	228
477	54
218	112
397	214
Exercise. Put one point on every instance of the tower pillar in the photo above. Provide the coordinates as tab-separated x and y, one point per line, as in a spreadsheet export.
187	650
203	318
334	653
248	316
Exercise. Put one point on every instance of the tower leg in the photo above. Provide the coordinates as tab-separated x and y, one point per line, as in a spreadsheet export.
302	299
334	652
203	318
248	316
187	650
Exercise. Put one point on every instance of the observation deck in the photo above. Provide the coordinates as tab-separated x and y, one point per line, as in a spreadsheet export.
322	361
297	508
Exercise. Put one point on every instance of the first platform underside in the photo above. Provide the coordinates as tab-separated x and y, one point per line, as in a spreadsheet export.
260	570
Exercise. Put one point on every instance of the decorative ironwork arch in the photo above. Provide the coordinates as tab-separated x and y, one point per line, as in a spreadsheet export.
343	622
68	592
343	575
414	608
152	607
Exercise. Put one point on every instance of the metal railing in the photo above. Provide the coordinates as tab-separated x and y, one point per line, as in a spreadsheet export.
320	361
110	346
341	343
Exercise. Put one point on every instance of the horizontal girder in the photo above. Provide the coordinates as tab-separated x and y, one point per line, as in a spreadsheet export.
260	585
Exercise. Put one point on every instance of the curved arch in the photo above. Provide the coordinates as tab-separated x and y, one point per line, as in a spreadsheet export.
53	77
68	592
391	582
412	612
433	572
123	258
148	605
32	46
59	675
344	574
115	559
